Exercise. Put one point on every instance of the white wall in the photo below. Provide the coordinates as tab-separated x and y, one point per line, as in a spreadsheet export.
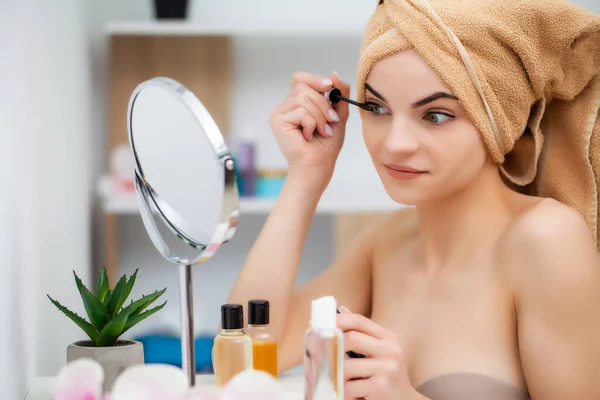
12	371
46	233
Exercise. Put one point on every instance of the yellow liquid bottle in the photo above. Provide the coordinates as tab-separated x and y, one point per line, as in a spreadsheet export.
264	343
232	349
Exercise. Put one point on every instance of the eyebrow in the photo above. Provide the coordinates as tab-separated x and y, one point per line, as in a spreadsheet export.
429	99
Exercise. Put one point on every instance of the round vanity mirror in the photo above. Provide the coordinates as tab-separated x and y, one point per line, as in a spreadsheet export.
185	183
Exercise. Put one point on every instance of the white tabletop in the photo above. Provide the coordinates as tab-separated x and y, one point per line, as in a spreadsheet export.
41	389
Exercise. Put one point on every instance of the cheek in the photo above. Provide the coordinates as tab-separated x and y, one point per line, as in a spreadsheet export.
463	158
372	141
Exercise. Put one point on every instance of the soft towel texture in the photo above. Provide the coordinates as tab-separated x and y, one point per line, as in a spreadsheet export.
526	72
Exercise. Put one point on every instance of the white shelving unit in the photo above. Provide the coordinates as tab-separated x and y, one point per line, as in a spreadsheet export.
334	28
327	205
266	49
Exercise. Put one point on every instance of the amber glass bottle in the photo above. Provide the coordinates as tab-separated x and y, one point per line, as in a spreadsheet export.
264	343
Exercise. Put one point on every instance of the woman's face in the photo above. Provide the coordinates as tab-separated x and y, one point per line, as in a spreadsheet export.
422	144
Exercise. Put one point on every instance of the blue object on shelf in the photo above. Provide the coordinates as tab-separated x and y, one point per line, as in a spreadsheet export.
269	185
159	349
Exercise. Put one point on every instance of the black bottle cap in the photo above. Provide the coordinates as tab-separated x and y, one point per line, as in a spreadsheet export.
232	316
258	312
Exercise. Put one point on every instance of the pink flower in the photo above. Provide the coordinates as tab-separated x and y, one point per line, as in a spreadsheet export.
252	385
79	380
82	380
151	382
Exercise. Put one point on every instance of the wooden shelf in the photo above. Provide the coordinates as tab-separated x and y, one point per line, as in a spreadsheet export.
240	28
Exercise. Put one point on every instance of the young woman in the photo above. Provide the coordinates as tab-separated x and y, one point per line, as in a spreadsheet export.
477	292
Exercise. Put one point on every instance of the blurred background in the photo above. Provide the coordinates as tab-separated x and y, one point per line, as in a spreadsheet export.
67	69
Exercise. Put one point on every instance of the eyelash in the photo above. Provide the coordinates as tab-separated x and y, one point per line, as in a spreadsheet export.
379	106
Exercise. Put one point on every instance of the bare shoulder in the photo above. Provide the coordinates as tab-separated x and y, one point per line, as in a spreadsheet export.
545	225
548	241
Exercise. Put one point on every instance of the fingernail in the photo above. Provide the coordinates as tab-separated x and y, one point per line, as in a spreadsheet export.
345	309
334	116
326	82
336	74
328	130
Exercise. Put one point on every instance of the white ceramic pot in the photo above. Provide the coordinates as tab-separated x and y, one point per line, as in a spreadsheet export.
114	359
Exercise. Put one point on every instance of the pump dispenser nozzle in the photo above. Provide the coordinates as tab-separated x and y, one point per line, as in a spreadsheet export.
323	313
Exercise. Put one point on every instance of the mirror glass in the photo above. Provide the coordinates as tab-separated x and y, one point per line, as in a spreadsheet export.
186	185
184	172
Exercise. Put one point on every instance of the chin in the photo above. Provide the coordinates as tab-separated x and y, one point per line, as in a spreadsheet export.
404	198
409	196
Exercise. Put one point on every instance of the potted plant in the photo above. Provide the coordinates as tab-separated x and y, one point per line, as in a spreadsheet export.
108	320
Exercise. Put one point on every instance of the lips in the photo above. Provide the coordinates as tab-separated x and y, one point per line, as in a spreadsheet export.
403	172
402	168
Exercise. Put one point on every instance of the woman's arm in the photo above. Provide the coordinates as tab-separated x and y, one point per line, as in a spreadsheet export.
272	266
310	133
558	307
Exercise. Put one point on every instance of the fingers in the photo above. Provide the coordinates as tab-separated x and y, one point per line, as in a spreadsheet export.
300	121
369	367
345	310
307	107
304	96
357	390
356	322
315	82
363	368
365	344
342	107
340	84
318	108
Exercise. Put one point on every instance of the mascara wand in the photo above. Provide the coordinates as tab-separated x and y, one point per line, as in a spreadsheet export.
334	96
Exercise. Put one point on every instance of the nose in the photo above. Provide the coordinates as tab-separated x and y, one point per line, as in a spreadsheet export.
402	139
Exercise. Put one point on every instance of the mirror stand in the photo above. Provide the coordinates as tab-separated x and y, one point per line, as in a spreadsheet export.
185	177
186	301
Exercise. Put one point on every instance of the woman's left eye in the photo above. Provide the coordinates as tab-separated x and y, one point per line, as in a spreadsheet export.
437	117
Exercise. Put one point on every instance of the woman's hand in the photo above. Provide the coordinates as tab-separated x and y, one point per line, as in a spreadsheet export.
310	131
382	374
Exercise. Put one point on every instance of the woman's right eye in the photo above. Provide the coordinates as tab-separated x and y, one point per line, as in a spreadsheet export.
377	109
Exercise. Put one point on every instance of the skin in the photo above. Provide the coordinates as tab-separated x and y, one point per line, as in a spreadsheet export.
474	278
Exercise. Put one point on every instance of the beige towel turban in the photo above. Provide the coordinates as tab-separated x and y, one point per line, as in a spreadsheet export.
527	72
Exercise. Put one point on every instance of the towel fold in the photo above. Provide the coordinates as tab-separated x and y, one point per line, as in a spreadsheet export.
526	72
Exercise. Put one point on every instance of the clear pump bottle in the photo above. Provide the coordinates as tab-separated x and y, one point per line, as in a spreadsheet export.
232	350
324	353
264	343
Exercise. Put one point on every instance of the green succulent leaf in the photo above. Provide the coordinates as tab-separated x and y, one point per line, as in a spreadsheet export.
141	304
129	286
111	332
135	319
93	306
103	288
82	323
116	300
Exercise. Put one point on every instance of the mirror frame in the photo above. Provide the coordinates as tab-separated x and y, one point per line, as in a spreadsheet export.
150	201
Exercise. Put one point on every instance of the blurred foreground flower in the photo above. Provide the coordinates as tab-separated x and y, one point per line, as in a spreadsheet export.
82	380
